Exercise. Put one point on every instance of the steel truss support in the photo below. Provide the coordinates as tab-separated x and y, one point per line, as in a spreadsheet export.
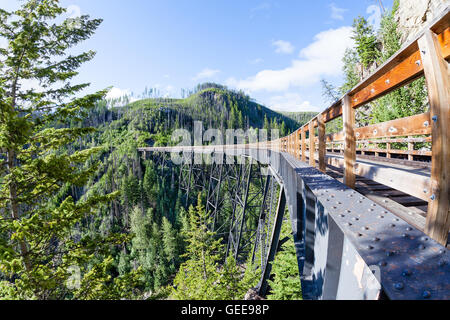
192	175
248	195
266	222
162	163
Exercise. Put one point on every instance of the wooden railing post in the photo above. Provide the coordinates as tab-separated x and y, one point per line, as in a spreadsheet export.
312	144
438	83
322	144
410	149
388	150
348	115
303	144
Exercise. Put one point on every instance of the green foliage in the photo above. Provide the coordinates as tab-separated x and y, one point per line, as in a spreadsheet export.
405	101
350	68
366	41
286	283
37	219
201	277
370	50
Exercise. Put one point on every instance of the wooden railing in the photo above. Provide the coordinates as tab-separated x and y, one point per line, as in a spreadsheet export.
426	55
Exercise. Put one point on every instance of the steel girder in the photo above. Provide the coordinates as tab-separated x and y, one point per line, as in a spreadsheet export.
248	195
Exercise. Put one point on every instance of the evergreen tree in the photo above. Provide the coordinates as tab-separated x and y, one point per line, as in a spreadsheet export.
286	283
366	41
36	246
201	277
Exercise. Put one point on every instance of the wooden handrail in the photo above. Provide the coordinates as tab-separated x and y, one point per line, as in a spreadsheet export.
426	55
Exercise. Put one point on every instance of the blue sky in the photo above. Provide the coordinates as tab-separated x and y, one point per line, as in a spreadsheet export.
277	51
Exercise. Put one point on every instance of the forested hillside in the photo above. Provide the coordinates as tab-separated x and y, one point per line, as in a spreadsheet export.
148	206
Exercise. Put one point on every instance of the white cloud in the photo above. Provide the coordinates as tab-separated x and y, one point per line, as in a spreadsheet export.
262	7
256	61
283	46
336	12
205	74
116	93
375	16
315	62
168	91
292	102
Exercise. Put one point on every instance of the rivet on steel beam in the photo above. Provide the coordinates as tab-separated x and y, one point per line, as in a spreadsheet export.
392	225
342	216
424	239
399	286
433	197
389	253
355	219
375	132
409	229
426	124
405	235
441	263
370	247
418	62
349	224
422	247
380	217
376	239
382	263
370	210
425	191
435	118
365	228
388	81
372	90
426	294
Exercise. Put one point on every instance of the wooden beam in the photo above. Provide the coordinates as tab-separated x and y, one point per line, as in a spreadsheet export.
438	83
333	112
410	149
411	181
409	126
444	41
400	73
312	144
388	150
303	144
322	144
350	142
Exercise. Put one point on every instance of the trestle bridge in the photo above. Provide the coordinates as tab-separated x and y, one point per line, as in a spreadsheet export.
369	220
